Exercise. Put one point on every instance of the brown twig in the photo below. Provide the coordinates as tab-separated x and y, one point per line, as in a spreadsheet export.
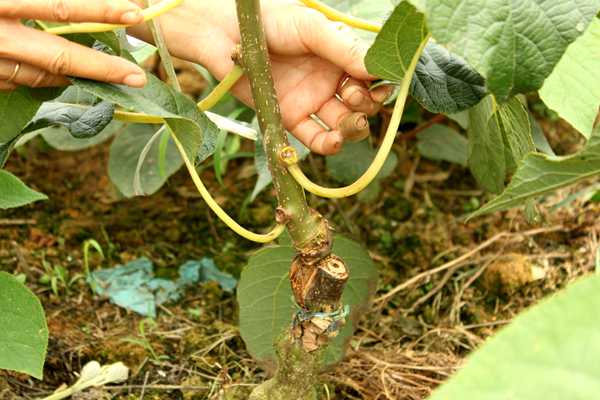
411	135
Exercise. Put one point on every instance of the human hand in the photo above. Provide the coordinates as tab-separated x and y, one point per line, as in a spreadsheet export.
311	57
30	57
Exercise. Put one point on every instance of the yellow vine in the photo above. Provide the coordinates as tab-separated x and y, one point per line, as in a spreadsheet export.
339	16
93	27
214	206
382	154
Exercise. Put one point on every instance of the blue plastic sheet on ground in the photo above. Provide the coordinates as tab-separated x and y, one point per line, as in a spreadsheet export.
134	287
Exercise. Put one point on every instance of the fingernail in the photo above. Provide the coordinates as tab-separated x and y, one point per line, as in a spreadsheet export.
137	80
381	94
356	98
132	17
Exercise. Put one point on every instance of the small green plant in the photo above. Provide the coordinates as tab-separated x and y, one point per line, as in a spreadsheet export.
58	278
143	341
469	59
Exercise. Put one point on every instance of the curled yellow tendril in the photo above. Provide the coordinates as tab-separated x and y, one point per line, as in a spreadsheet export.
92	27
382	154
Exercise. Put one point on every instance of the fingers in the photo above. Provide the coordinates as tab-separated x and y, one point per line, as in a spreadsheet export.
353	126
28	75
356	95
7	87
317	138
109	11
334	42
332	112
61	57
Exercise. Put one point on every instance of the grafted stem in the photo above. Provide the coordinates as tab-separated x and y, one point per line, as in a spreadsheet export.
307	228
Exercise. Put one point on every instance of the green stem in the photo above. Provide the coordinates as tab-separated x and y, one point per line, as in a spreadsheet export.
304	225
163	51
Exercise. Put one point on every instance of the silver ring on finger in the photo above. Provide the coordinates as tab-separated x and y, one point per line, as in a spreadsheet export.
14	73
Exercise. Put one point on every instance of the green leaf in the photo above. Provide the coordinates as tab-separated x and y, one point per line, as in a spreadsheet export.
17	108
440	142
549	352
397	43
82	122
538	174
515	45
192	127
499	137
349	164
444	82
14	193
61	139
24	333
125	152
486	147
573	89
513	119
266	301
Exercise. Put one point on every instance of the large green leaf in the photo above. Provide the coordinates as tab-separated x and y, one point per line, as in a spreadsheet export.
539	173
499	137
266	301
61	139
573	88
24	334
397	43
14	193
440	142
16	110
197	134
515	45
550	352
444	82
125	151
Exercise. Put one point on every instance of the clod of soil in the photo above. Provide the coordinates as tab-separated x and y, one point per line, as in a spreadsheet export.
509	273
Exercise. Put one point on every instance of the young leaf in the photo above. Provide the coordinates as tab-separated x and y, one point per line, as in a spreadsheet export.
440	142
444	82
573	89
515	45
266	301
195	131
550	351
14	193
82	122
397	43
24	333
538	174
125	152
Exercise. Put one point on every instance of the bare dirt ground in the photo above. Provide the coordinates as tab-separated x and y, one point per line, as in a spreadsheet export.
443	284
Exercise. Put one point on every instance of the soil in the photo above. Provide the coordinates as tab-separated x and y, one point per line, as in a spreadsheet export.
405	346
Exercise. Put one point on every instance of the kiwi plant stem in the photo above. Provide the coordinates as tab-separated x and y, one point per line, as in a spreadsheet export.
302	222
163	51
